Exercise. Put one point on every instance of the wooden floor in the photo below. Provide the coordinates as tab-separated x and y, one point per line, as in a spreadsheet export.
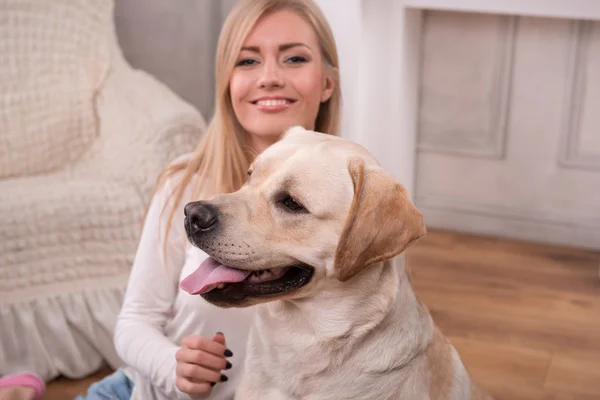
525	318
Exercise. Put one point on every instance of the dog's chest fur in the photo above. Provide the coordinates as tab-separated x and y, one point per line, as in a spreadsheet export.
359	348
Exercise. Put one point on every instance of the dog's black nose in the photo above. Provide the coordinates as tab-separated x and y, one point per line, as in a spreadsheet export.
200	216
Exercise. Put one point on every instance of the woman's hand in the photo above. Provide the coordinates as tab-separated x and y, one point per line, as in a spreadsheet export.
199	364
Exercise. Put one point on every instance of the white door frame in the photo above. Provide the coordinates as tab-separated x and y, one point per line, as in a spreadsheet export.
379	49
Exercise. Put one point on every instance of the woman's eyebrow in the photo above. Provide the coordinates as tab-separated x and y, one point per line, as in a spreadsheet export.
282	47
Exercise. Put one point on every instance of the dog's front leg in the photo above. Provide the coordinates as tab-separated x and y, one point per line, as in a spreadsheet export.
246	389
254	388
254	393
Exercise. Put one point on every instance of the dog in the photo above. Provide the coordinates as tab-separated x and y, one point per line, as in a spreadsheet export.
314	239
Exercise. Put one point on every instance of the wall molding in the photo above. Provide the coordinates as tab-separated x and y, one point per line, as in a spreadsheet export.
494	148
379	52
447	212
570	154
572	9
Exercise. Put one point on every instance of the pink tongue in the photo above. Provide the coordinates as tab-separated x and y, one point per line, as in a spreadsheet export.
210	274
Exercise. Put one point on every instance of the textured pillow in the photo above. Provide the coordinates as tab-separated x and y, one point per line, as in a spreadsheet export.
53	58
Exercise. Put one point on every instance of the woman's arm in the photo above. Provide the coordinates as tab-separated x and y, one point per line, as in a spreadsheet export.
139	336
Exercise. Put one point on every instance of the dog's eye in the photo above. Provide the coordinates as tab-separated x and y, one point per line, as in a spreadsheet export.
291	204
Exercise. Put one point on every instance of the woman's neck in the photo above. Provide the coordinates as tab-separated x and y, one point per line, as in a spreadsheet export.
259	144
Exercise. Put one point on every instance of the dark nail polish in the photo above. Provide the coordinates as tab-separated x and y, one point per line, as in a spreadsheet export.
224	378
228	365
213	383
220	333
228	353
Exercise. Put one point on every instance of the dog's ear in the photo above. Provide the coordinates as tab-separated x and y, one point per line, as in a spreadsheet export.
382	222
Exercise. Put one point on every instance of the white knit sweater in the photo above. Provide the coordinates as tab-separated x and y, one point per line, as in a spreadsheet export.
157	315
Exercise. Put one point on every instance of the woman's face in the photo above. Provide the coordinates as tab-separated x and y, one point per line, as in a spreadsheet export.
279	79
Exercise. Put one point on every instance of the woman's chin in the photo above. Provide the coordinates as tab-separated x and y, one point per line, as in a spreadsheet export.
270	131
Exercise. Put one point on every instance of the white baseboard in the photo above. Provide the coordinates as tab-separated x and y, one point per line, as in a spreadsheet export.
512	226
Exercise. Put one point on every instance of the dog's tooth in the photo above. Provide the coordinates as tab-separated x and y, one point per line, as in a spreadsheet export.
221	286
266	275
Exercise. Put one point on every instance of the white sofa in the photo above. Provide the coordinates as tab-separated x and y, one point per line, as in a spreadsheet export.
83	137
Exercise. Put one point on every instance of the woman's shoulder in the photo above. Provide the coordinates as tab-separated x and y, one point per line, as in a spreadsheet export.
181	159
175	175
173	191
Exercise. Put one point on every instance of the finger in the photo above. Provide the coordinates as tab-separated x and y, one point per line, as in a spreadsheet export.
219	337
201	358
196	374
193	388
202	343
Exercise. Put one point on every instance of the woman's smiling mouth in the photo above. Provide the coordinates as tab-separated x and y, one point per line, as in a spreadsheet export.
273	104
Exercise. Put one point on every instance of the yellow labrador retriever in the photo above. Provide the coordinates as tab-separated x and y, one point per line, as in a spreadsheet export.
312	239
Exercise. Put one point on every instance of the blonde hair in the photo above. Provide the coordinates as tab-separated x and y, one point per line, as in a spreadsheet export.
221	159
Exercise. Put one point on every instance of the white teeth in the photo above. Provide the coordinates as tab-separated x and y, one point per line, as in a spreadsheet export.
221	286
256	277
272	102
266	275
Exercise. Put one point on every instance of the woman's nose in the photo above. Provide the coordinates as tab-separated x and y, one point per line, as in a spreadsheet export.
271	75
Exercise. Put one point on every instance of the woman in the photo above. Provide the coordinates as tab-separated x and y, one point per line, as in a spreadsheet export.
276	67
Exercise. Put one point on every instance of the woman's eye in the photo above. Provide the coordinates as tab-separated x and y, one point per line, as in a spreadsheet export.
291	204
297	59
244	62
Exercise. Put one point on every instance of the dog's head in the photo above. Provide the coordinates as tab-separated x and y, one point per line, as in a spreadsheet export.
315	208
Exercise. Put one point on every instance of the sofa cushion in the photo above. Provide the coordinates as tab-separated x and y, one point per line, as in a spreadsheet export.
54	57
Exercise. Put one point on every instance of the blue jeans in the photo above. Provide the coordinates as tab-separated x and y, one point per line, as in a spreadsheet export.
116	386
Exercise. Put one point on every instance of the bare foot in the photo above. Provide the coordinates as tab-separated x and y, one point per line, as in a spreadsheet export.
17	393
